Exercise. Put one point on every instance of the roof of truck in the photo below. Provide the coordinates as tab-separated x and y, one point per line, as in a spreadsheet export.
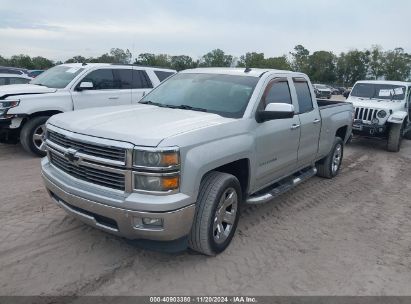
240	71
404	83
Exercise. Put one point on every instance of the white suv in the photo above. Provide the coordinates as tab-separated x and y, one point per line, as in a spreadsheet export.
382	109
24	108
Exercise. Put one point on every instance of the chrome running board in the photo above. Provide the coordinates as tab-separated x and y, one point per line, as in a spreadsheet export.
280	187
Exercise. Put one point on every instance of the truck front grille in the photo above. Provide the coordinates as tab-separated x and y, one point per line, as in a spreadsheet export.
365	114
88	174
107	152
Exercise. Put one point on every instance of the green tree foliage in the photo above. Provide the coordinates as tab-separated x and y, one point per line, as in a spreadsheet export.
376	62
216	58
322	67
280	63
300	59
397	64
352	66
182	62
77	59
252	60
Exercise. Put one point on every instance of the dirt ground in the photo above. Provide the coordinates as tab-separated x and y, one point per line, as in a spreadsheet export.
346	236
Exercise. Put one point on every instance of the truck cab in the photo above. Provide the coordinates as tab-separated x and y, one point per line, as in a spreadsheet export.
382	109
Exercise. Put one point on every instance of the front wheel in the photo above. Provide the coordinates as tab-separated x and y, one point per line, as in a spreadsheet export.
395	137
33	134
217	213
329	166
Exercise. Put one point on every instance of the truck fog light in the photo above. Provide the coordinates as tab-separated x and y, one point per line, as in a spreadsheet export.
155	222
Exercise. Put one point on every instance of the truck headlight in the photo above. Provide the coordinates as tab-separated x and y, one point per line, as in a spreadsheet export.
381	114
168	158
156	182
9	104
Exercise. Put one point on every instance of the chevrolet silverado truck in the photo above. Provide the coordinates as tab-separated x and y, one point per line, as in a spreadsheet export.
25	108
382	109
178	165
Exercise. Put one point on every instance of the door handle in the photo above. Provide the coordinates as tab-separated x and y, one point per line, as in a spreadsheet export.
113	98
294	127
316	121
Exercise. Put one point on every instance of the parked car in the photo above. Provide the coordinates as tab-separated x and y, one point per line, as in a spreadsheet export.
34	73
382	109
13	70
6	79
176	166
322	91
25	108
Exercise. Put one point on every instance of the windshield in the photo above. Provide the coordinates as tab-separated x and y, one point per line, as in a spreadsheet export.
320	86
58	77
379	91
226	95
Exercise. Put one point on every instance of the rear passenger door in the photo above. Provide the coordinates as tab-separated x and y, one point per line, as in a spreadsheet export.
276	140
141	85
310	122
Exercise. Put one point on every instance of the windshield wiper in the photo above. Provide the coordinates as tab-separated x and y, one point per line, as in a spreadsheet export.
187	107
149	102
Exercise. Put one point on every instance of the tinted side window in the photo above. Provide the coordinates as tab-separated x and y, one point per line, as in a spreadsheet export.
141	80
3	81
161	75
278	92
10	71
18	80
102	79
124	78
305	101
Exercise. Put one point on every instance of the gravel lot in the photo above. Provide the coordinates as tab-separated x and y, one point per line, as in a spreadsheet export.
347	236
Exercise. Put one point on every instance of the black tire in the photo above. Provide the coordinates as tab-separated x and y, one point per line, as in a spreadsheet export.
202	236
394	137
330	166
408	135
27	135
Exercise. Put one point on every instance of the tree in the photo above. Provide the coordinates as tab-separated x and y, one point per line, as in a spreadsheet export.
252	60
159	60
397	65
22	61
41	63
300	59
120	55
352	66
3	61
76	59
280	63
321	67
216	58
182	62
376	62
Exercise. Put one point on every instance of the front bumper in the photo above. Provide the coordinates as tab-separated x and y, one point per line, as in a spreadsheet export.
123	222
360	128
6	134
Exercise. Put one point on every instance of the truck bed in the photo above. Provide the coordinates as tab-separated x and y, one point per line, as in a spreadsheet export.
326	103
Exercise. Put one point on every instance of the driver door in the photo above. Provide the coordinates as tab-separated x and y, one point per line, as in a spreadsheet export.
276	140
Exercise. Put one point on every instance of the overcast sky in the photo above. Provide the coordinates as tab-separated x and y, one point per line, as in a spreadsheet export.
60	29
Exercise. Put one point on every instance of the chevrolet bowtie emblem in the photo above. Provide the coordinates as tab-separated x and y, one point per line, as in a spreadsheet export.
70	155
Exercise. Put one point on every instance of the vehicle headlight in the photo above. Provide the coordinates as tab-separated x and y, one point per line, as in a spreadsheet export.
381	114
156	159
9	104
156	182
375	121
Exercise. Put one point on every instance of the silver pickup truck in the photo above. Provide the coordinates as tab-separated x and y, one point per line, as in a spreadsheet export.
178	165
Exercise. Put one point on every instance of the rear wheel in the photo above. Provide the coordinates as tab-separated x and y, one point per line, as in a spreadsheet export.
32	135
395	134
329	166
217	213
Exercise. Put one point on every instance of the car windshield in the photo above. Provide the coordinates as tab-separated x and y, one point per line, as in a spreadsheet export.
226	95
321	86
379	91
58	77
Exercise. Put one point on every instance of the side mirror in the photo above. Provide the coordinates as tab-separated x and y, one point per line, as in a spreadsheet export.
275	111
85	85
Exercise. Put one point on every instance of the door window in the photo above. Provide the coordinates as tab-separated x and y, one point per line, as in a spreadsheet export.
305	101
277	91
123	78
161	75
3	80
141	80
15	80
102	79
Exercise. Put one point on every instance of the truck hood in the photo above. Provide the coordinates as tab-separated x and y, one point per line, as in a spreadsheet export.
20	89
382	104
142	125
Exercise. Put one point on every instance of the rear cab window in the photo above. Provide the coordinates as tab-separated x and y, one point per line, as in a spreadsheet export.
162	75
141	80
305	100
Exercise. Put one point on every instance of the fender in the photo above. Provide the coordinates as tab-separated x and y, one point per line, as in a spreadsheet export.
397	117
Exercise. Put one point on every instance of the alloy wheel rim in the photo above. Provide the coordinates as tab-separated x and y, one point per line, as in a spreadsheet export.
225	215
336	161
39	137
